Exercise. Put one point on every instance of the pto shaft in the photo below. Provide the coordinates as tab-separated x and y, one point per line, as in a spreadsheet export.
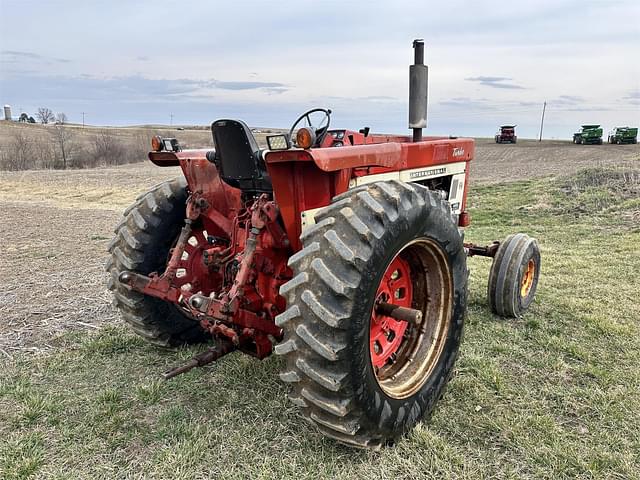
222	348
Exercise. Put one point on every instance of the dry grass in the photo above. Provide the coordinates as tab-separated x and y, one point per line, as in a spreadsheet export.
592	191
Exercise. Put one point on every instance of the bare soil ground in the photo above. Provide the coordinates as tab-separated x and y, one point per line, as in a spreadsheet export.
55	226
533	159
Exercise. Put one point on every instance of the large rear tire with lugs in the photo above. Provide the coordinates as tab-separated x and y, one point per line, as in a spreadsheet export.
141	244
513	278
361	377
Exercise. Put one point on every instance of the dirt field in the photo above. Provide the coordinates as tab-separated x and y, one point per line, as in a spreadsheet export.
553	395
532	159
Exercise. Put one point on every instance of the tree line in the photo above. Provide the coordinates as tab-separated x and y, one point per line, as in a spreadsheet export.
61	147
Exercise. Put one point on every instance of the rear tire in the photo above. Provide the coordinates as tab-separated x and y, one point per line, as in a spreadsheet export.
513	278
329	323
142	242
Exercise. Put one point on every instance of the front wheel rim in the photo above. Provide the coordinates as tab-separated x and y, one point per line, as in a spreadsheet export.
403	356
527	279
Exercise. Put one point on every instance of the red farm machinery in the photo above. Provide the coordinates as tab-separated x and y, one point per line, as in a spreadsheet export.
506	134
340	250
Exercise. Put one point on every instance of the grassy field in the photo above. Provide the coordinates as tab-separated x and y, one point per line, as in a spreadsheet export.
555	394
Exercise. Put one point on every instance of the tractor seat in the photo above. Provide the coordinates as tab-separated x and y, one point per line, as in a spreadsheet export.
238	157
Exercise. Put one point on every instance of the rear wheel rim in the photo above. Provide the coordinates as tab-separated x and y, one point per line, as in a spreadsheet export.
192	275
404	356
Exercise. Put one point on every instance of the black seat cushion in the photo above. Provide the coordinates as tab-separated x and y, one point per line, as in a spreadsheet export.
238	156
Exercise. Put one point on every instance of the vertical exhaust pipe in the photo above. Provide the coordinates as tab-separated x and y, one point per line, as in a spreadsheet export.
418	89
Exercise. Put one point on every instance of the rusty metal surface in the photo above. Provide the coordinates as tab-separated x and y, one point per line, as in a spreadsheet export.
397	312
483	251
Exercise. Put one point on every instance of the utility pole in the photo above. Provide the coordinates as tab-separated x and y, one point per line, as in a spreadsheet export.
171	121
83	119
544	107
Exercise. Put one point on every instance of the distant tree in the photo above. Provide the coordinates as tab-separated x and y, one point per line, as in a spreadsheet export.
65	142
108	150
61	118
45	115
32	120
23	118
18	154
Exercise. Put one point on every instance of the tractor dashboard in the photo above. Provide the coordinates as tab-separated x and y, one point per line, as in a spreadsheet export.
336	137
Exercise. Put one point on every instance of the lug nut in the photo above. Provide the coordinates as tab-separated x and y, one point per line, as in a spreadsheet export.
124	277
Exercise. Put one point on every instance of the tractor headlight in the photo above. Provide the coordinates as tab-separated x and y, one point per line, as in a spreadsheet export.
158	144
278	142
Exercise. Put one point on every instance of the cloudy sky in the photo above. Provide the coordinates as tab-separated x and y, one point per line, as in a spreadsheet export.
137	62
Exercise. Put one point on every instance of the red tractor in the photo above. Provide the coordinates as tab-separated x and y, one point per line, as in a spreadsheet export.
343	253
506	134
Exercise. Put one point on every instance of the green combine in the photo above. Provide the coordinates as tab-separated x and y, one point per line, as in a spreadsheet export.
589	135
622	135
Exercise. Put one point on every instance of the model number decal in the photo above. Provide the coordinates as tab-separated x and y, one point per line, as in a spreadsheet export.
427	173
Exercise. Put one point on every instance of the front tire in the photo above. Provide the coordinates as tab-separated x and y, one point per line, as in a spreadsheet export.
141	244
513	278
360	377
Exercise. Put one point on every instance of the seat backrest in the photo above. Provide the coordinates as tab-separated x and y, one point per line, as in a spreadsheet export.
237	152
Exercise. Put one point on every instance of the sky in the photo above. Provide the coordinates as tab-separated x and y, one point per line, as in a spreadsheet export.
188	62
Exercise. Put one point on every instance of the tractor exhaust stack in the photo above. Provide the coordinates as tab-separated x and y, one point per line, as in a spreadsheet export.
418	89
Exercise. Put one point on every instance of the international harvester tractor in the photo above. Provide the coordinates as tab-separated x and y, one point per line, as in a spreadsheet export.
341	251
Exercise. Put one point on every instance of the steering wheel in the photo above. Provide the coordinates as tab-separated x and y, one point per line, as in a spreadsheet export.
320	131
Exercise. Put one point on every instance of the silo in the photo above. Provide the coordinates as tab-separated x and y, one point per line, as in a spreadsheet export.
7	112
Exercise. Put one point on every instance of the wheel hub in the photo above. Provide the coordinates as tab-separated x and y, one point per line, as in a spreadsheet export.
387	333
404	354
192	275
527	279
